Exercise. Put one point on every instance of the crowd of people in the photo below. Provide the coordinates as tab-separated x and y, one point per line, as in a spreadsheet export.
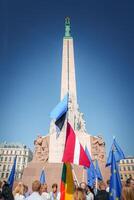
81	191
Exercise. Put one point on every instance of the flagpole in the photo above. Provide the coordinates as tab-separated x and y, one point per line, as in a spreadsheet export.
74	174
96	181
83	175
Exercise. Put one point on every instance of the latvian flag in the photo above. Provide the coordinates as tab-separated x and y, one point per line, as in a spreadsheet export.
74	152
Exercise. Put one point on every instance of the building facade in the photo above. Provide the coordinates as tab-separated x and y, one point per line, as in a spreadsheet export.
126	167
8	151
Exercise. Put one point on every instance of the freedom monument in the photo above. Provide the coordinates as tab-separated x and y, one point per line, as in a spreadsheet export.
49	149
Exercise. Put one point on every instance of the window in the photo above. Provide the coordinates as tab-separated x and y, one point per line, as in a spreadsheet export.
24	159
6	175
8	167
128	168
4	167
1	158
19	159
2	175
124	168
5	158
127	161
10	158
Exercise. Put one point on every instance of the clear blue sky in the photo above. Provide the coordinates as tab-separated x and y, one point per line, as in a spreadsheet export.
31	33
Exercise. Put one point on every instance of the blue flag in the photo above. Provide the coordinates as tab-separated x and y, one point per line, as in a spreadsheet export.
118	153
59	113
42	177
98	171
91	173
12	174
115	181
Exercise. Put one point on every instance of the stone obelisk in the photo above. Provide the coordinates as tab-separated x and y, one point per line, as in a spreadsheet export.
68	85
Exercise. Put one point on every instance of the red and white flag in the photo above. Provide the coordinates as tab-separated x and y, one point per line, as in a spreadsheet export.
74	152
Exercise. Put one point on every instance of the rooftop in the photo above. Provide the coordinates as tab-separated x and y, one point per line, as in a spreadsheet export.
12	145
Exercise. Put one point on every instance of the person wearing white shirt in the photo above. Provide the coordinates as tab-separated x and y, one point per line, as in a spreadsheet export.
89	195
36	191
44	193
19	192
54	195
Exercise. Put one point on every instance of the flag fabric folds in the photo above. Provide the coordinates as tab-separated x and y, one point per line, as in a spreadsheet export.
73	151
67	183
42	177
118	153
98	171
59	113
12	174
91	172
115	181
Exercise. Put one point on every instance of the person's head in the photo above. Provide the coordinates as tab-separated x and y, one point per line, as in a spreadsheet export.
54	188
25	188
89	189
43	188
127	193
102	185
132	183
19	189
36	185
108	182
83	185
0	184
7	192
79	194
128	182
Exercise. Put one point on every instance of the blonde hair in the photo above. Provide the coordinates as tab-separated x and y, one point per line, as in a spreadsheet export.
127	193
36	185
19	189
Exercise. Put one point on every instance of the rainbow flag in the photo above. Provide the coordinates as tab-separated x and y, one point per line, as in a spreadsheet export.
67	183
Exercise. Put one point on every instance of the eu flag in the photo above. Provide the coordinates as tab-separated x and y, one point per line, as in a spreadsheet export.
91	173
12	174
42	177
59	113
115	181
98	171
118	153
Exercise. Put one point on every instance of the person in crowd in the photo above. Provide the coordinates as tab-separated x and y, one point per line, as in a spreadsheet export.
26	192
44	193
54	195
127	193
102	194
36	191
83	185
6	192
130	182
0	185
89	192
79	194
19	192
108	184
0	190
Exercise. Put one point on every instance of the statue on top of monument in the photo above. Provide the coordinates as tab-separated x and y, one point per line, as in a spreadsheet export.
67	27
